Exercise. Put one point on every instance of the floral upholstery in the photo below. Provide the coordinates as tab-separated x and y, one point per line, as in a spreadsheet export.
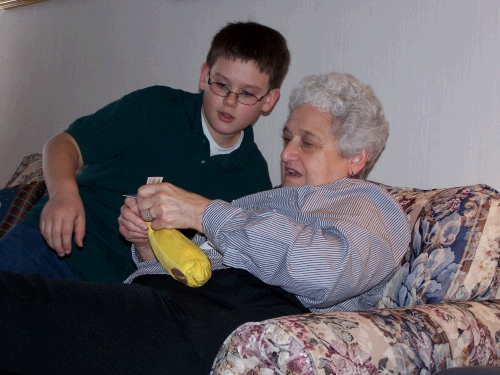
441	309
409	340
30	170
454	252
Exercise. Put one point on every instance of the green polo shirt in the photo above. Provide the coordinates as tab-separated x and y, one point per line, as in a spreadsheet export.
151	132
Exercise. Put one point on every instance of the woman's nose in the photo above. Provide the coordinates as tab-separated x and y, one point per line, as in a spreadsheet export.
289	152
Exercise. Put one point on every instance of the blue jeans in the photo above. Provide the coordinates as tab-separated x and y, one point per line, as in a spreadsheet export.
24	250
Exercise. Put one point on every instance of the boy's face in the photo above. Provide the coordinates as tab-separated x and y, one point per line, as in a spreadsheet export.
225	116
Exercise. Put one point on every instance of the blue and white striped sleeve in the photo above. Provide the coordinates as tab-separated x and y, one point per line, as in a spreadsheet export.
327	247
153	267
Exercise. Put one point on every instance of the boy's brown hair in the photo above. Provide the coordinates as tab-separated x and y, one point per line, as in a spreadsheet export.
250	41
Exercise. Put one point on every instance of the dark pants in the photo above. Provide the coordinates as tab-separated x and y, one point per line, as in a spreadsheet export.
154	326
472	370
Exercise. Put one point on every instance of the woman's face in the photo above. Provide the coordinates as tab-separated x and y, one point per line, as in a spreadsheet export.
310	155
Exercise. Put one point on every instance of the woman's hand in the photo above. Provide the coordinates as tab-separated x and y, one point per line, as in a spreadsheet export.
134	229
171	207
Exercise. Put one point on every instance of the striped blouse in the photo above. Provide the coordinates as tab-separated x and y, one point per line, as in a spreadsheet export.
334	246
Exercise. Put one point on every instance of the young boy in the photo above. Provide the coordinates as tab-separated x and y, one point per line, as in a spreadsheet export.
201	142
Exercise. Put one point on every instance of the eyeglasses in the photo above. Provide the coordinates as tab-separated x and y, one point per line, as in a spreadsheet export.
245	98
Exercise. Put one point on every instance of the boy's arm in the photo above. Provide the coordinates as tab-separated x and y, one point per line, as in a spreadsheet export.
63	213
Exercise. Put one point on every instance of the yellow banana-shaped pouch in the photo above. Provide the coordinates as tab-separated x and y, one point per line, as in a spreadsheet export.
180	256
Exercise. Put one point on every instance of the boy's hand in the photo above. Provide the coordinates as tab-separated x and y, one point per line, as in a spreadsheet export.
63	216
134	229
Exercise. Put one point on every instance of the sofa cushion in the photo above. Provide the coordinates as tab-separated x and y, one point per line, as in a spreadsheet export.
18	201
454	251
23	190
30	170
406	340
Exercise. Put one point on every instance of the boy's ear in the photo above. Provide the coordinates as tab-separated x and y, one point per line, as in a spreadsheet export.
202	84
270	100
358	162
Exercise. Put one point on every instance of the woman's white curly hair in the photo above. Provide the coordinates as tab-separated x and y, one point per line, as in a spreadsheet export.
360	125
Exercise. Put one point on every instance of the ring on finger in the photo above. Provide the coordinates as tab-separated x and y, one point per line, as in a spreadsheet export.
148	215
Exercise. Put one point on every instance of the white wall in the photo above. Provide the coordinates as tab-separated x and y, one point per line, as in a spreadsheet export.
434	64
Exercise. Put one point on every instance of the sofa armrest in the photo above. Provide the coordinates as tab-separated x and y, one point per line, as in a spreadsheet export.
455	246
406	340
30	170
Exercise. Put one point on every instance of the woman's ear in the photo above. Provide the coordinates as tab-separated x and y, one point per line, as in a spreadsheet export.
358	162
202	84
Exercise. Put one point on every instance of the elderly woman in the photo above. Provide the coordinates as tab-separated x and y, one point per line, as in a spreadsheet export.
323	241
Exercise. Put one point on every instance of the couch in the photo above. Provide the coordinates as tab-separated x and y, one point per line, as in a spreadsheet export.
440	310
23	190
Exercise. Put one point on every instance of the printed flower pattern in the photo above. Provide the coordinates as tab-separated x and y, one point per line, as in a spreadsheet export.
439	310
452	257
